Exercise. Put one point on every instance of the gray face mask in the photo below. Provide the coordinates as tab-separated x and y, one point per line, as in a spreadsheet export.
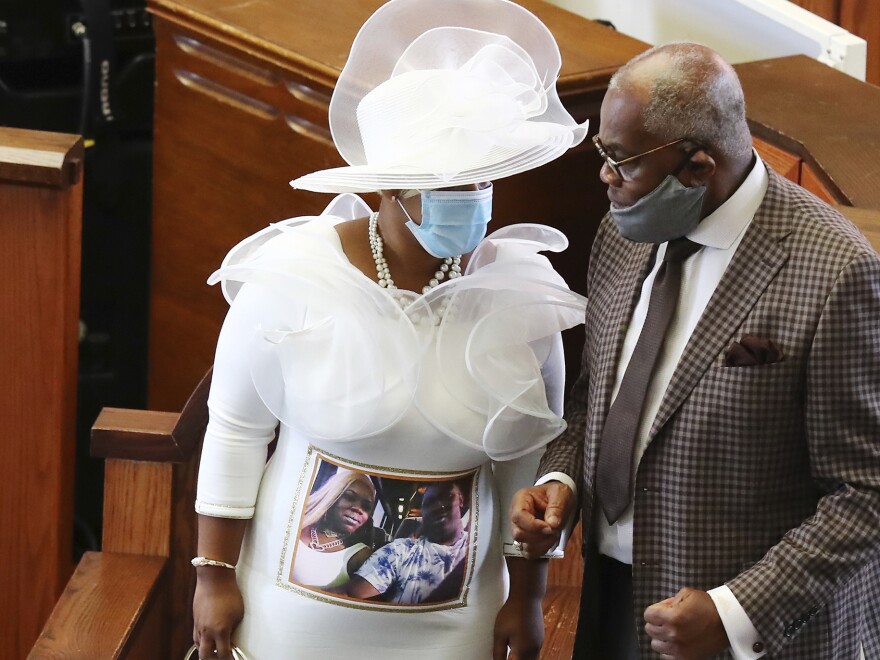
670	211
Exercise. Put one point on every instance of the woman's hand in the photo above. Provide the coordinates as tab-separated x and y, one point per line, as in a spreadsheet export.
520	622
520	626
217	609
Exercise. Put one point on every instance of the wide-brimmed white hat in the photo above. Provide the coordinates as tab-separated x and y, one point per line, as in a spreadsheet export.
440	93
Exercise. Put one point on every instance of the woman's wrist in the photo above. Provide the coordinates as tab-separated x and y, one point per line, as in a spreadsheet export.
214	575
528	578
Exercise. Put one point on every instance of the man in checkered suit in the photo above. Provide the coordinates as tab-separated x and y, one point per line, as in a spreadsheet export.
753	520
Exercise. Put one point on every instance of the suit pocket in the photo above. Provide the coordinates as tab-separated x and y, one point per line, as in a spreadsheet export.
760	407
758	378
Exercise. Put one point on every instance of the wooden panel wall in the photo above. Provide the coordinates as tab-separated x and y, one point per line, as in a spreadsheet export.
861	17
792	167
827	9
40	216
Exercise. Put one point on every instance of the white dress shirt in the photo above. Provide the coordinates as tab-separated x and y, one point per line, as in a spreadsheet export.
720	234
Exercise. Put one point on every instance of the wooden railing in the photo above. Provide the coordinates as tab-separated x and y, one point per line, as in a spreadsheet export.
132	600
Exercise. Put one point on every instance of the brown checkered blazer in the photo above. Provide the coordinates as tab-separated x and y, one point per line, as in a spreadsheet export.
766	478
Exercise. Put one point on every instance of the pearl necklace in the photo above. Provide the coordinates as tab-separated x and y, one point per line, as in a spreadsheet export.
451	266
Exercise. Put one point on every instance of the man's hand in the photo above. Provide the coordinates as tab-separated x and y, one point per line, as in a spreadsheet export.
686	626
538	514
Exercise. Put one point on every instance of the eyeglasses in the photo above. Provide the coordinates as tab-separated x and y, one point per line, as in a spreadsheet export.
615	164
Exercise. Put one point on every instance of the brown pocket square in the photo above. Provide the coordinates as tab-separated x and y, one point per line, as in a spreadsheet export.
752	351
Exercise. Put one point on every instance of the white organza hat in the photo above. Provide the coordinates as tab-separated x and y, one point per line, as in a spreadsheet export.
440	93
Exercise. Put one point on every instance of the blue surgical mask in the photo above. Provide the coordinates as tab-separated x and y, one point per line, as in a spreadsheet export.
670	211
453	221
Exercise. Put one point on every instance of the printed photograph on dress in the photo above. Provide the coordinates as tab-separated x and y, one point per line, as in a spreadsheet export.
384	539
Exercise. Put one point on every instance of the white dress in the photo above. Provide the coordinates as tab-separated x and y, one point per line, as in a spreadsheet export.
462	384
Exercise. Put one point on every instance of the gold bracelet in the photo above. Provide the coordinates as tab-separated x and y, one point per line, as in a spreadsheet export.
204	561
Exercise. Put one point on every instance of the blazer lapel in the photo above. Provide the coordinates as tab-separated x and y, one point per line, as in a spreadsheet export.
756	262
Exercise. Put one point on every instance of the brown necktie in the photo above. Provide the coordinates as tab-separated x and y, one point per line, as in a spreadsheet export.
615	470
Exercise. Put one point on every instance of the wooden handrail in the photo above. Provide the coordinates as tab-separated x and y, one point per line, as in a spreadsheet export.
146	435
53	160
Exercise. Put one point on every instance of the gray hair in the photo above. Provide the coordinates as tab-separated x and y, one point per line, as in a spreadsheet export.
695	94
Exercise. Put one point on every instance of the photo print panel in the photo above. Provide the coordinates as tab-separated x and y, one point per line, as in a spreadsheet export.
379	538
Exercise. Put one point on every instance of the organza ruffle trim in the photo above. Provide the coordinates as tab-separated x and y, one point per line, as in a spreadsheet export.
338	358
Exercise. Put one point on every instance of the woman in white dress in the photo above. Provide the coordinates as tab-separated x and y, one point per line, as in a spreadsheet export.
400	343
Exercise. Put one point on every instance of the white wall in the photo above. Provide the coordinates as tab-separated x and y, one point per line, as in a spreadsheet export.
741	30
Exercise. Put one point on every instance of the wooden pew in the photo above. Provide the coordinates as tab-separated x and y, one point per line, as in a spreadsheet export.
40	229
133	599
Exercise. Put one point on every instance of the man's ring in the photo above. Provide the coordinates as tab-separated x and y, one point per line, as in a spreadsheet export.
518	545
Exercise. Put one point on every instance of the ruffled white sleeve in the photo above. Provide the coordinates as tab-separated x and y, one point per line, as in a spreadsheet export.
240	426
512	475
